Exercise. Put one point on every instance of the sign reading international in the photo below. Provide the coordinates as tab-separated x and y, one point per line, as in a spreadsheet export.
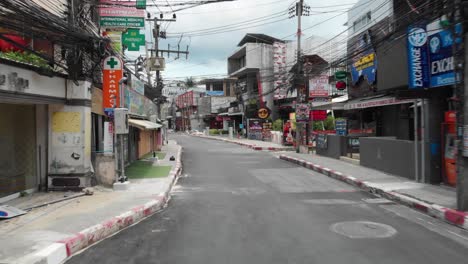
121	14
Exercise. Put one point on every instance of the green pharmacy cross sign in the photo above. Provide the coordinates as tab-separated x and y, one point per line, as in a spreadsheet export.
133	39
141	4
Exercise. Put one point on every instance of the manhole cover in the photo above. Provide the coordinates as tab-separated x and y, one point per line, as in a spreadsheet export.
363	229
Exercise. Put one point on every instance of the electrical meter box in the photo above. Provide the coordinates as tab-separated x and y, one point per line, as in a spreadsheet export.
121	120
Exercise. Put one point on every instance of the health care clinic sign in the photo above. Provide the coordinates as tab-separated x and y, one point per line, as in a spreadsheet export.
430	59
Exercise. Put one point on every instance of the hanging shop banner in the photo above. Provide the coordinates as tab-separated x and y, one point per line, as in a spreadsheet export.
364	65
302	112
318	115
418	62
137	85
121	14
280	72
319	86
111	75
133	39
430	58
441	59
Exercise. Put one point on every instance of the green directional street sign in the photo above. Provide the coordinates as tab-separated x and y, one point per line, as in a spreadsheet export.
141	4
133	39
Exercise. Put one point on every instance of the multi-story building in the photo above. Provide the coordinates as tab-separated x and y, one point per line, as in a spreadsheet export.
252	65
45	95
403	117
187	117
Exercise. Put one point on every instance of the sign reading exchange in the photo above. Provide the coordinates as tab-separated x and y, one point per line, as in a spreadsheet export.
430	58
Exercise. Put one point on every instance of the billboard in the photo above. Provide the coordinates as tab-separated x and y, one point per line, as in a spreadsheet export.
319	86
121	14
430	58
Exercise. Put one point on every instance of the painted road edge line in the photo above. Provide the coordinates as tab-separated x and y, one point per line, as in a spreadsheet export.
251	146
448	215
61	250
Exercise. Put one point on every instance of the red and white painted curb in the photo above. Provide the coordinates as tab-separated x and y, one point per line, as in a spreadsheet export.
251	146
449	215
65	248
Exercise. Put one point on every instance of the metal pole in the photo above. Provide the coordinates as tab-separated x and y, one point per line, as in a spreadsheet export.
416	155
116	159
423	140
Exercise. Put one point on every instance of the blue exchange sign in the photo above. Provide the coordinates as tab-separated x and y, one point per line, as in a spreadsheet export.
418	67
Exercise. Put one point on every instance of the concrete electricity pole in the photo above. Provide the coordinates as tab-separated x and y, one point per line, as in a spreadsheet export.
299	79
156	51
461	92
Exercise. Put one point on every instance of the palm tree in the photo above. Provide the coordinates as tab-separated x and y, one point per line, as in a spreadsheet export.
189	82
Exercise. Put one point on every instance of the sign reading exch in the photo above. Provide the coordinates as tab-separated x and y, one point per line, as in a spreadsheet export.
112	73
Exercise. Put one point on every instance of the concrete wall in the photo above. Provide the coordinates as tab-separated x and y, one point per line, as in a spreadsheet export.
380	9
336	147
391	156
105	169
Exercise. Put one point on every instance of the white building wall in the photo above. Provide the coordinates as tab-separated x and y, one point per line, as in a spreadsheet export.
379	9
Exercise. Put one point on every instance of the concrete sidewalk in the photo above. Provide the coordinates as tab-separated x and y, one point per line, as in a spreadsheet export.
52	233
253	144
437	201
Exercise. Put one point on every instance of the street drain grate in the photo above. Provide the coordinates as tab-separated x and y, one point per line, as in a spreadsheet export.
363	229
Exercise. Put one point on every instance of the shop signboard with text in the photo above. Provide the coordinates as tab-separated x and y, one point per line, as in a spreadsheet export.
121	14
111	75
319	86
364	65
430	58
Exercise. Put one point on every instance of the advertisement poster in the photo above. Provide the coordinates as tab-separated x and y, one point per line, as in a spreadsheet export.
364	65
267	126
121	14
341	127
302	112
319	87
108	137
255	129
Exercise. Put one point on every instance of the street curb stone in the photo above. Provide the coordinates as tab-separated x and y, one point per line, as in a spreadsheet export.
65	248
448	215
251	146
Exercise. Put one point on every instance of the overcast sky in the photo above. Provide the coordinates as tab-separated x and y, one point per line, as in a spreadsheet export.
208	53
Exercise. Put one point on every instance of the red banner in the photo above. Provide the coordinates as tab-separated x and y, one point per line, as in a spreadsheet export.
318	115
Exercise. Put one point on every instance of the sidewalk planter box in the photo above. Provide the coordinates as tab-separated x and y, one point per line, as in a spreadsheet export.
335	147
392	156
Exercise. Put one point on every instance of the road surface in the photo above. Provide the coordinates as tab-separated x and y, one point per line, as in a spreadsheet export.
235	205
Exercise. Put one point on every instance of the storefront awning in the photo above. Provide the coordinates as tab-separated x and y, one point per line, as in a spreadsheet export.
335	104
144	124
235	114
374	101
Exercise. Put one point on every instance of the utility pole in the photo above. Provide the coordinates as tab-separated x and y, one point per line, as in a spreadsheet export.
155	51
461	90
302	96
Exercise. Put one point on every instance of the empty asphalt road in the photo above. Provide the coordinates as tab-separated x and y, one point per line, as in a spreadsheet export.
235	205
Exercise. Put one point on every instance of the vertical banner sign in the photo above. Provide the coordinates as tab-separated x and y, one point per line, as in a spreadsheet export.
112	73
108	137
418	67
441	59
280	84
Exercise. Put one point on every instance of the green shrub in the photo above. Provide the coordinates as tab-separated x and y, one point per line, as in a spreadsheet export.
26	57
277	125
